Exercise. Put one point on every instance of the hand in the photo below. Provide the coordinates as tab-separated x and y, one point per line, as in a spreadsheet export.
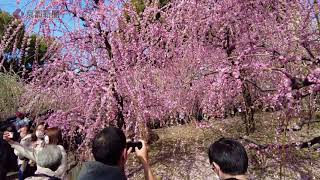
7	136
143	156
142	153
129	151
130	148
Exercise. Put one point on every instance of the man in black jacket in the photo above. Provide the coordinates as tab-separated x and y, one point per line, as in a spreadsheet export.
110	152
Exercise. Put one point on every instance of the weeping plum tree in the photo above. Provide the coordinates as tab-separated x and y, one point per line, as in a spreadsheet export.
126	67
227	55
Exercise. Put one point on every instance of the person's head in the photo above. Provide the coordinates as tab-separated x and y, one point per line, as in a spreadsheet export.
24	130
40	130
19	115
228	158
49	157
109	147
53	136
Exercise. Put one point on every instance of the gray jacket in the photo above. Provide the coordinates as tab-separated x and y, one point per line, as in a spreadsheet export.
99	171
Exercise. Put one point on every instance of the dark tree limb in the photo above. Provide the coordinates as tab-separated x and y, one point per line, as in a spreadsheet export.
307	48
300	145
74	13
296	83
310	143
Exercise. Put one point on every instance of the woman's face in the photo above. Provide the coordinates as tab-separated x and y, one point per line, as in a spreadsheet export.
23	131
40	128
40	132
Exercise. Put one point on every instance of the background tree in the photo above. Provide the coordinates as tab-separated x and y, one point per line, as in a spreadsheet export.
10	93
20	52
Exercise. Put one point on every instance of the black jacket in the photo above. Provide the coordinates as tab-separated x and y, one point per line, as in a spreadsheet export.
8	160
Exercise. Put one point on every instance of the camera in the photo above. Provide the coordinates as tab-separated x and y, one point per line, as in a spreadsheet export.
133	145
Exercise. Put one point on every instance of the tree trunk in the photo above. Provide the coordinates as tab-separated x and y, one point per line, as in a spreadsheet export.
248	114
197	113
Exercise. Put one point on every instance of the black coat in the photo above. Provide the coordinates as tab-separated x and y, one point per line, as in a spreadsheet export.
8	160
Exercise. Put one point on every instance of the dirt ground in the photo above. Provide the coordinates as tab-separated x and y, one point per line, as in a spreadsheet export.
181	151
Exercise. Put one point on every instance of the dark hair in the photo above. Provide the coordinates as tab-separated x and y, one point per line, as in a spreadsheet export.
27	126
20	115
34	129
41	124
55	136
230	155
108	145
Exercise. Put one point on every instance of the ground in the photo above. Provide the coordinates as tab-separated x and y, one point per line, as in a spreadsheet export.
181	151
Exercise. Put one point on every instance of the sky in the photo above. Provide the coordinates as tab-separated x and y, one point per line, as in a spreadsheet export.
26	6
10	6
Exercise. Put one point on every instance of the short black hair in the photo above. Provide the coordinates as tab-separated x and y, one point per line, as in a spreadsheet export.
108	145
230	155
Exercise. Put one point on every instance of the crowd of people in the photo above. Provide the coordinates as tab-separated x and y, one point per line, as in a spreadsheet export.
37	153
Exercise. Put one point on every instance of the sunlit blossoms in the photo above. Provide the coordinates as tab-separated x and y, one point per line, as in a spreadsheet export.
125	67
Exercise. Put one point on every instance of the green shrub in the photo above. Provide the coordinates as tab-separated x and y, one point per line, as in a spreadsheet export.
10	92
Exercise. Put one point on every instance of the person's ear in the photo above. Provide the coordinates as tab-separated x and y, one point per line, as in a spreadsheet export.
216	168
123	159
125	154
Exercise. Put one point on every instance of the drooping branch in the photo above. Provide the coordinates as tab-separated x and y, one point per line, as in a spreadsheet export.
75	14
102	33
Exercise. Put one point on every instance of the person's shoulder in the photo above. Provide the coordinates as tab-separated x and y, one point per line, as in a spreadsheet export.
61	147
28	137
97	170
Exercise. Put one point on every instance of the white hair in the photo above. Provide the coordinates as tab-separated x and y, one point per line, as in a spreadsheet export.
49	157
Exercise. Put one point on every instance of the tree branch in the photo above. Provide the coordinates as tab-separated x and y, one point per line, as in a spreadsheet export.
305	45
300	145
262	90
296	83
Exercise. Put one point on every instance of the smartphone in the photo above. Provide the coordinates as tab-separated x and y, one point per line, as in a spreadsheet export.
133	145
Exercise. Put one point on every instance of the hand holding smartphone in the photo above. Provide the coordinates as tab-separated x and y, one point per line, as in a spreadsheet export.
133	145
7	135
